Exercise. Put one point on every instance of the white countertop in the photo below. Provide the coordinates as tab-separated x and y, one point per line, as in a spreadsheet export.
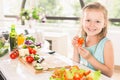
15	70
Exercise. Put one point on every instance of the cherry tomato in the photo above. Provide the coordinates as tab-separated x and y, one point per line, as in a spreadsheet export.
15	52
29	59
29	48
33	51
13	56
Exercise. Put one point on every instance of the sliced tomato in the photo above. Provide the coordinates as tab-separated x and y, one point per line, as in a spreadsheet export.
29	59
80	41
13	56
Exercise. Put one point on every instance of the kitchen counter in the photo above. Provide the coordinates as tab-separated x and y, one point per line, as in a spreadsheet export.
15	70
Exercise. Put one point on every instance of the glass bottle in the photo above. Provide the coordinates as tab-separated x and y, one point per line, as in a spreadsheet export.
13	38
20	39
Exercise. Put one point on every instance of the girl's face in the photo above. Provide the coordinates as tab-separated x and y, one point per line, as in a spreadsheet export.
93	21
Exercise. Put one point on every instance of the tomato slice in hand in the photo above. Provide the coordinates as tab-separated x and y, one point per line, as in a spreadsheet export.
80	41
29	59
13	56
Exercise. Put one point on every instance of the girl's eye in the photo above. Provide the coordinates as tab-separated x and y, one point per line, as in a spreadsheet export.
98	21
88	20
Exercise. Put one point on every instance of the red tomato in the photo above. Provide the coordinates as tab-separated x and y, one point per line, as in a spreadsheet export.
13	56
80	41
33	51
29	48
29	59
16	52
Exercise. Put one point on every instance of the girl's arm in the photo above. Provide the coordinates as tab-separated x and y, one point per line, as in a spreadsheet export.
108	67
76	57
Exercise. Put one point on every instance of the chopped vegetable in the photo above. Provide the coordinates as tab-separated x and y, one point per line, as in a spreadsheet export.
2	43
30	38
75	73
28	42
36	57
29	59
38	67
3	51
38	44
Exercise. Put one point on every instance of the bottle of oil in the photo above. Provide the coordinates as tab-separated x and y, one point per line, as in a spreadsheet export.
13	38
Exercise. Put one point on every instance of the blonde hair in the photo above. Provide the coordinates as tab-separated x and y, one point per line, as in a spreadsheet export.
97	6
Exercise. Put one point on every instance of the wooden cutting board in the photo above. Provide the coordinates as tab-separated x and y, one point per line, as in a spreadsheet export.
50	63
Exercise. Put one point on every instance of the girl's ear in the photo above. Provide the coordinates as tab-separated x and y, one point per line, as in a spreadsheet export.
105	24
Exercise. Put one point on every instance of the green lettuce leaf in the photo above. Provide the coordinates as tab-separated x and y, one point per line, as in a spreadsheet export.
96	75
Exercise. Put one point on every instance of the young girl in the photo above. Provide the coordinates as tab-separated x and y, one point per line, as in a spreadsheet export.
97	51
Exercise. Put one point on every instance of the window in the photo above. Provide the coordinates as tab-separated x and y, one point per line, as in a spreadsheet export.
61	10
11	7
61	7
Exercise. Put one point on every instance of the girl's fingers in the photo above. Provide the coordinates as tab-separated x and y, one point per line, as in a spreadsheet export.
74	41
83	50
84	53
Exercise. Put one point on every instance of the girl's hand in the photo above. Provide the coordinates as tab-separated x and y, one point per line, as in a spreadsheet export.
84	53
75	41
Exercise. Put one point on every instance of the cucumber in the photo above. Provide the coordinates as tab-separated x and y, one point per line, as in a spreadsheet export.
38	67
36	57
3	51
24	46
1	43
